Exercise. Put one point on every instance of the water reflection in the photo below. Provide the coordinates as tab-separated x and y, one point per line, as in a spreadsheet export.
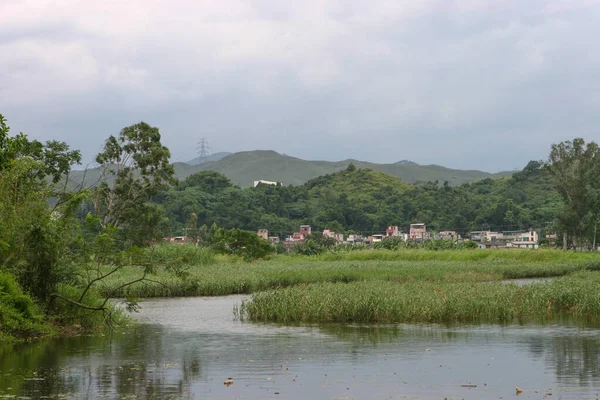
186	348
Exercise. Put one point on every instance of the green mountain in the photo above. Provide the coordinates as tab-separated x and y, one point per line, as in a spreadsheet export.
246	167
209	158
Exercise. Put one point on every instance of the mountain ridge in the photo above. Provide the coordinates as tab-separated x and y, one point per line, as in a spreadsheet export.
243	168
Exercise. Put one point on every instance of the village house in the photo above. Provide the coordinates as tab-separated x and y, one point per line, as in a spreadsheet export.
510	239
256	183
486	236
264	233
447	235
298	237
305	230
418	232
177	239
392	231
273	239
376	238
339	237
354	239
519	236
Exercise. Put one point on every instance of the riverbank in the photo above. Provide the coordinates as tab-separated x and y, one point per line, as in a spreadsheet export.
201	273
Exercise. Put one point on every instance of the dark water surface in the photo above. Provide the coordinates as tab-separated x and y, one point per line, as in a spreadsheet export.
188	347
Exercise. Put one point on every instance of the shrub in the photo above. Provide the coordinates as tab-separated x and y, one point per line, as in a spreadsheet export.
19	315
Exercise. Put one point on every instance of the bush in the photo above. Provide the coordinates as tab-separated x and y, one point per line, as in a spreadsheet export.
19	315
239	242
71	315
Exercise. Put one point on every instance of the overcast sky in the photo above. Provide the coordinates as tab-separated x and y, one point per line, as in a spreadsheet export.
477	84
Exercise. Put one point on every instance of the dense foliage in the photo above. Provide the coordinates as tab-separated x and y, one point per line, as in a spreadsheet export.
366	201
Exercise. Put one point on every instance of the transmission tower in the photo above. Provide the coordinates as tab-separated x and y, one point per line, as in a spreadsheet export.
203	148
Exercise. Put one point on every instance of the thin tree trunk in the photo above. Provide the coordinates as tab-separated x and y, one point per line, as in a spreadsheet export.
594	241
565	241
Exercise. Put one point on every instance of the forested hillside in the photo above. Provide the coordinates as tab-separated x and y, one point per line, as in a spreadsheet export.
366	201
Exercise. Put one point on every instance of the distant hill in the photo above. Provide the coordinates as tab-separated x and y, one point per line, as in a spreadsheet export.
245	167
356	184
210	158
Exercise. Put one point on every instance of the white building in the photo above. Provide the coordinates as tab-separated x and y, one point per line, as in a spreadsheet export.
256	183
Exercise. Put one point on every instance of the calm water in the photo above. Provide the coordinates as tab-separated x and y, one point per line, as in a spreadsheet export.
187	348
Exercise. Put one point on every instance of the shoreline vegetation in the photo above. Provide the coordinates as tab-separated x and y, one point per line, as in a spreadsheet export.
364	286
575	297
225	275
382	286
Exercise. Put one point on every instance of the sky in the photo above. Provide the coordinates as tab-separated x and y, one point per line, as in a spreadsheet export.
469	84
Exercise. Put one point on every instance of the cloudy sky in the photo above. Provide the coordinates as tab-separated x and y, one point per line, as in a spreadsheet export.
478	84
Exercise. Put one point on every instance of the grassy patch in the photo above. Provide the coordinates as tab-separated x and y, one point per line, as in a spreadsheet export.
576	296
468	255
224	277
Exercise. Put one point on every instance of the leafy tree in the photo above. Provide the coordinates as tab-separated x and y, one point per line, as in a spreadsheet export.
573	166
32	235
247	245
55	158
134	167
207	181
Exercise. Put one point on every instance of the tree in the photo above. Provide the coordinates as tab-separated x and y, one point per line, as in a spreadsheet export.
134	167
247	245
55	159
573	166
32	234
208	181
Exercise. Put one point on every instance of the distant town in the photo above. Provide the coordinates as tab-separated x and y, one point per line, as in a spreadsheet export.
418	233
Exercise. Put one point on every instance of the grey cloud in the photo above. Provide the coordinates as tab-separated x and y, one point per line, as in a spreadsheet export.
466	84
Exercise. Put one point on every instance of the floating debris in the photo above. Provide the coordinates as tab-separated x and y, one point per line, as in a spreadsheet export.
519	390
228	382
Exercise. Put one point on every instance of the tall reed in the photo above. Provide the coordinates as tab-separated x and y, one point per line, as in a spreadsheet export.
577	296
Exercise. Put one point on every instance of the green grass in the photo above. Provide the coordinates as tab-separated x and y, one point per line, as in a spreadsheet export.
229	276
576	296
185	254
503	255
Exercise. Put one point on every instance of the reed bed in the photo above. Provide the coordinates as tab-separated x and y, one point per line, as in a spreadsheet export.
576	296
225	276
503	255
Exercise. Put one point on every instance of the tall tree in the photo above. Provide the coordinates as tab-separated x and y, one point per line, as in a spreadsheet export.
31	233
134	167
573	166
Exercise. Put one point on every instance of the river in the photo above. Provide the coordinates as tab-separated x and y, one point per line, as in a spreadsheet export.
189	347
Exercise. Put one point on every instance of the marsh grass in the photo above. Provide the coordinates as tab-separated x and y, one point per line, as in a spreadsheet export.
502	255
223	276
576	296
